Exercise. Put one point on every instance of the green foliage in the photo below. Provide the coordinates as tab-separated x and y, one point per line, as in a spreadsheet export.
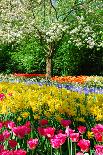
5	58
29	57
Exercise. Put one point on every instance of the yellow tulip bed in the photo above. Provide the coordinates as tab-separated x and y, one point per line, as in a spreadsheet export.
49	101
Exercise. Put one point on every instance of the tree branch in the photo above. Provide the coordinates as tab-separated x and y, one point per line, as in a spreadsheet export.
54	9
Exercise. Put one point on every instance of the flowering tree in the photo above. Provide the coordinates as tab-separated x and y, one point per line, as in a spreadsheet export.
49	21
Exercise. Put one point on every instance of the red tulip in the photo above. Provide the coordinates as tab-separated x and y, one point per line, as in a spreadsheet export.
1	138
12	143
1	148
81	129
65	123
1	125
41	131
43	122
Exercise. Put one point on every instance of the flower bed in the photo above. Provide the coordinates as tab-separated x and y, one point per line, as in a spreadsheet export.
29	75
46	120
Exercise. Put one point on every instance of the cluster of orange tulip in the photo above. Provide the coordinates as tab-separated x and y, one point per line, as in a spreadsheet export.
70	79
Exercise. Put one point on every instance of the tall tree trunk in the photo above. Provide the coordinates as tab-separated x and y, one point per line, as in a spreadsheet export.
48	68
49	56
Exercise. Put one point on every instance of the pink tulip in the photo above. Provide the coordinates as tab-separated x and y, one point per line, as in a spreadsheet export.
55	142
68	131
21	131
98	132
2	96
74	137
9	124
32	143
81	129
58	140
79	153
6	152
49	132
65	123
12	143
99	150
6	134
28	124
1	125
1	148
20	152
84	145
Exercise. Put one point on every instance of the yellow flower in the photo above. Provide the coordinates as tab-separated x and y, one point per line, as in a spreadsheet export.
81	119
90	134
19	119
58	118
47	114
25	114
36	117
99	117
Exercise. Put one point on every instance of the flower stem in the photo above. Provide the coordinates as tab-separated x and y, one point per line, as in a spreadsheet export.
75	148
71	148
68	146
60	151
51	150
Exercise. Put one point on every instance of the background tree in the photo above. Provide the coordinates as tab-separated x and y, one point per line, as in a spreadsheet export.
50	21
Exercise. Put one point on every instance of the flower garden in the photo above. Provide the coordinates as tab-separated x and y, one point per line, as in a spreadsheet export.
62	117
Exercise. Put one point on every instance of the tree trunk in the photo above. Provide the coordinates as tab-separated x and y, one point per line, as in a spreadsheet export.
48	68
49	56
